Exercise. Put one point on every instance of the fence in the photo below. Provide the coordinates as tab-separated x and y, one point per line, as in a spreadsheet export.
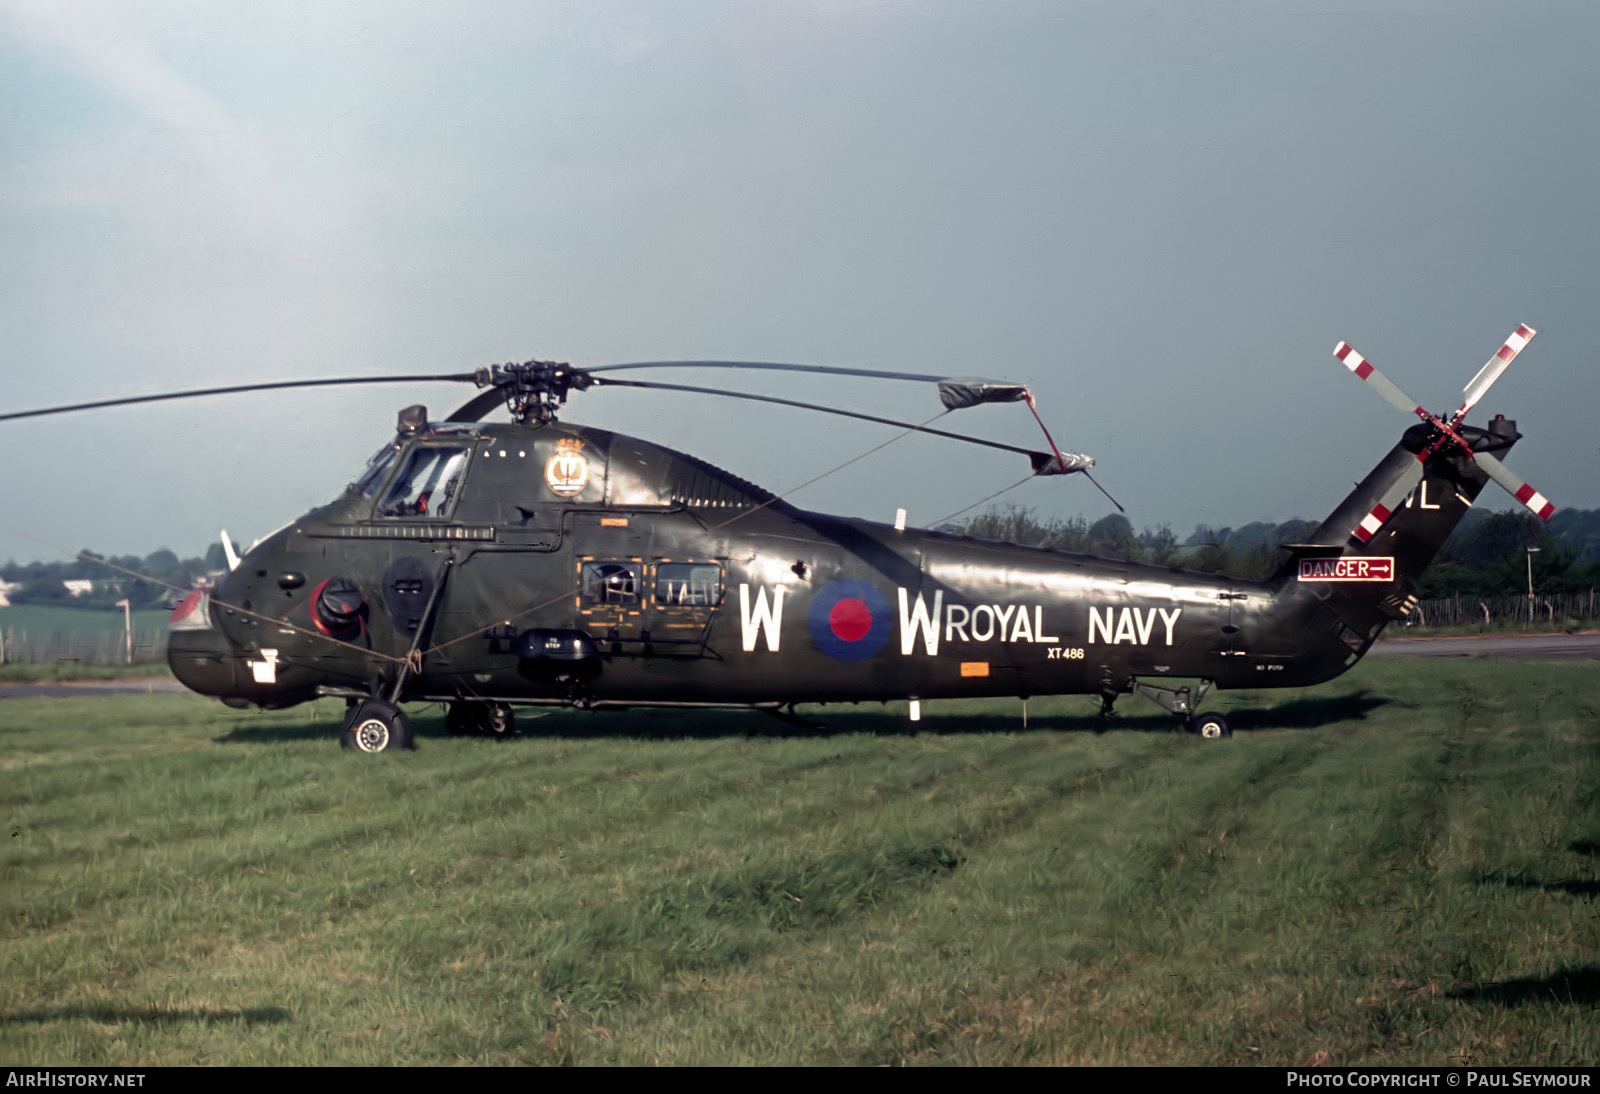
1500	610
99	647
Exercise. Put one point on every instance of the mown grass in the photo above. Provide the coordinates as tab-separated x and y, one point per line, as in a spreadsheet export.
78	620
72	639
27	672
1398	867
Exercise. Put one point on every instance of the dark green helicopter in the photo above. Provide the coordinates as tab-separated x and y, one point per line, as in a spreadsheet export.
486	565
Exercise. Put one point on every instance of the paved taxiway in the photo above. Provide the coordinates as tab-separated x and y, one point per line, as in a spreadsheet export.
1532	647
1529	647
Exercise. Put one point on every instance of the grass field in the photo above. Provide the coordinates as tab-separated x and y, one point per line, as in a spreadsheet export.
1398	867
87	621
33	672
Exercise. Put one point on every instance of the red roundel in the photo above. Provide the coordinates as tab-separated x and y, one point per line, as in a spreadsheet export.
850	619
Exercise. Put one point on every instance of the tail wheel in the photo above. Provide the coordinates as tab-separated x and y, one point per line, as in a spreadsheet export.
375	726
1210	726
502	722
469	718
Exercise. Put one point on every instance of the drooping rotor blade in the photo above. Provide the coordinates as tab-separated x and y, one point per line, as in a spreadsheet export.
1381	383
1490	372
1536	502
237	389
1387	504
956	392
1033	456
829	370
1104	491
477	406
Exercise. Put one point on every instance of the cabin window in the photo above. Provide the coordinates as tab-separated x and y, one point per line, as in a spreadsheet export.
378	469
428	483
611	583
688	584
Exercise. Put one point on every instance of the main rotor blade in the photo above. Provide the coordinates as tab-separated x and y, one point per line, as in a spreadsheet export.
1490	372
1032	455
236	389
477	406
1536	502
1381	383
829	370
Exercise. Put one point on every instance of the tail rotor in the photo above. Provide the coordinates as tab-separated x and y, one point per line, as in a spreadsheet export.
1445	434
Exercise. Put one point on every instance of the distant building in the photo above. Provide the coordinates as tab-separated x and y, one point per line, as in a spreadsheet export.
78	586
8	587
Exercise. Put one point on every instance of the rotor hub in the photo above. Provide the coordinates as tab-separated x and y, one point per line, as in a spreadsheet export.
534	390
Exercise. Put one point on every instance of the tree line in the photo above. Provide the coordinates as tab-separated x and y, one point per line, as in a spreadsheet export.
146	582
1487	555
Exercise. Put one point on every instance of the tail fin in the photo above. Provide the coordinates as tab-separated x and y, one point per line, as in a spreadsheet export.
1365	561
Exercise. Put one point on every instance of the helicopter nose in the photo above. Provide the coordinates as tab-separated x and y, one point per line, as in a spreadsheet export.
205	658
200	656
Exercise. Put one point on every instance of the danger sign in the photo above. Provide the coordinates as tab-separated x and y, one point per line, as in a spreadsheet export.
1348	568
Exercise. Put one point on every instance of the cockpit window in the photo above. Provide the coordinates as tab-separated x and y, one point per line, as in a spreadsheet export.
377	469
428	483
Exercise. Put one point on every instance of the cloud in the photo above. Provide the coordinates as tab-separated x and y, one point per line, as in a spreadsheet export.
89	39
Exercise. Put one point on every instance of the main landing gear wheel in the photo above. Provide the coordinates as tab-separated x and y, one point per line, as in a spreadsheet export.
375	726
1210	726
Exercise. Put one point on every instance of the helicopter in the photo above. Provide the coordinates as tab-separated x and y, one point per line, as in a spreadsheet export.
538	562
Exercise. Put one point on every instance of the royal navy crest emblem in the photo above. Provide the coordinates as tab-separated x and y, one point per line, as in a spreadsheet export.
567	472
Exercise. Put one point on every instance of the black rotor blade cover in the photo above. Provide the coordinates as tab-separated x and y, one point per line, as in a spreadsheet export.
958	393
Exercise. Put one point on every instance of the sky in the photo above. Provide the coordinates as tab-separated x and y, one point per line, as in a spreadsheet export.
1159	217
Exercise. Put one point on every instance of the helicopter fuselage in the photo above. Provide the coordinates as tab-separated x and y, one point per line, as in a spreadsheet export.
551	563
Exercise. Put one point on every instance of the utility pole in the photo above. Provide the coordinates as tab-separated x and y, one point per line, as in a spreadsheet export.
1531	552
127	623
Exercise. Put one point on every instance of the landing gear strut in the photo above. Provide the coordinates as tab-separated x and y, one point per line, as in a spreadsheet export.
1108	693
1179	701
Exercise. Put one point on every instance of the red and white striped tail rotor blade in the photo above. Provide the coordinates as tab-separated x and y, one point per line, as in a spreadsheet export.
1536	502
1391	500
1383	385
1490	372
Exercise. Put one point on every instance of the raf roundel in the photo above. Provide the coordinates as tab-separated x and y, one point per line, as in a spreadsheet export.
850	620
